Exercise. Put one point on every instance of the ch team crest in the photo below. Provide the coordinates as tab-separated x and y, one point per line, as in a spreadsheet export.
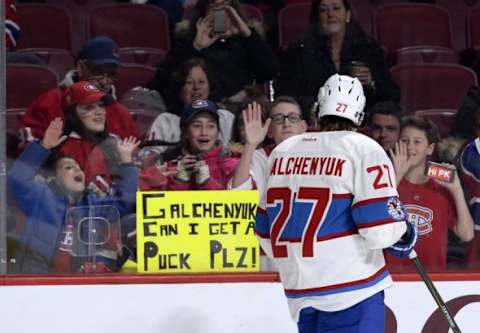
395	209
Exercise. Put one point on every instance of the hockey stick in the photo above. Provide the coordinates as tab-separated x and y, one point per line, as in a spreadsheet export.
436	296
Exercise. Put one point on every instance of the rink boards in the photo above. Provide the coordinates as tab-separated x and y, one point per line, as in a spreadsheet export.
233	303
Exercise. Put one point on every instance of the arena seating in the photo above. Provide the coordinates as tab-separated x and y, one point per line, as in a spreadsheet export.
426	54
25	82
292	23
132	75
443	118
43	25
429	86
411	24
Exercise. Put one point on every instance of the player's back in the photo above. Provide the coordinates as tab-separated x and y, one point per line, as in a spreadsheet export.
320	200
321	158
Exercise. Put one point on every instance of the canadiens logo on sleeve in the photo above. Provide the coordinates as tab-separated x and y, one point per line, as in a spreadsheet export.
395	209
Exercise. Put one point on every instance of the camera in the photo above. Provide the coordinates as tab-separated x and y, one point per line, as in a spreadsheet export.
440	172
219	22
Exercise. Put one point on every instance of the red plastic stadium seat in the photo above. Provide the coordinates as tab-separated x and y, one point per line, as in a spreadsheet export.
473	28
252	12
132	75
141	55
363	11
426	54
44	26
61	61
292	23
131	25
443	118
411	24
433	86
26	82
79	10
458	11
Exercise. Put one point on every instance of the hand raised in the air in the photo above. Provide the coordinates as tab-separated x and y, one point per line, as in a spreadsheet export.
204	37
401	161
126	147
237	25
54	134
255	131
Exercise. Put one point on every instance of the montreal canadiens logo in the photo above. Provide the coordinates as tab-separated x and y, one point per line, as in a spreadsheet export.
90	87
395	209
422	217
199	104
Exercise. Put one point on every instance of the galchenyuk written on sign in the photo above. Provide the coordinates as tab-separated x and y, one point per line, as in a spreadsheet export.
192	236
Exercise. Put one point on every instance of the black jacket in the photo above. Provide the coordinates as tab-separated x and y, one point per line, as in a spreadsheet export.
235	62
306	65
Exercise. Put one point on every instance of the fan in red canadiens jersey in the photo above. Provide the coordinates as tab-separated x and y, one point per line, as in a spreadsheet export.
331	190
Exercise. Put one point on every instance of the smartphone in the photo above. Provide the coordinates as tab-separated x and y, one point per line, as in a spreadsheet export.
440	172
219	22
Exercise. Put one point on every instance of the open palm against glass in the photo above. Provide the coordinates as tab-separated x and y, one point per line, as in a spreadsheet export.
255	131
54	134
401	161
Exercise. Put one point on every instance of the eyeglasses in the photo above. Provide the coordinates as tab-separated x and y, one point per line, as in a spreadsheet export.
280	118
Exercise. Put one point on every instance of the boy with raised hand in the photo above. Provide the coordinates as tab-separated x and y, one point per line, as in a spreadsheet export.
45	245
435	206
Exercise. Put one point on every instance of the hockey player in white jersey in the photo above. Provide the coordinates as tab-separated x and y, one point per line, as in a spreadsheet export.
329	210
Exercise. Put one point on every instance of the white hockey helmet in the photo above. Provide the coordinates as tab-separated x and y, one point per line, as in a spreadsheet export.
342	96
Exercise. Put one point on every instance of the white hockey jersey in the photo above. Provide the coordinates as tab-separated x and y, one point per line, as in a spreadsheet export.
329	209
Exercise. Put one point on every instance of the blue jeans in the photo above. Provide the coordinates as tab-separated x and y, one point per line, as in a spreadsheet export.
368	316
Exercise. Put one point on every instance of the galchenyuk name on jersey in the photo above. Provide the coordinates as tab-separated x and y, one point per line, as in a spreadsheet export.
329	166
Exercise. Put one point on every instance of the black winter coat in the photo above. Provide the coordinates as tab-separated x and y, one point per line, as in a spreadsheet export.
306	65
236	62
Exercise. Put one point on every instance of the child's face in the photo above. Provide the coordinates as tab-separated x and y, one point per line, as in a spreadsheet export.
202	133
92	116
418	148
69	175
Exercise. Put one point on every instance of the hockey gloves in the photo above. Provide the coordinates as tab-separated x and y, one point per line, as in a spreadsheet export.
404	246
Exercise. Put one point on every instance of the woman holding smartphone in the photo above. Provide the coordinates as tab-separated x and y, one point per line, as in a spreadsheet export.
219	34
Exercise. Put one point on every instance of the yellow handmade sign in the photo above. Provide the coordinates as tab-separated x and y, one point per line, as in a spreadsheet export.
197	231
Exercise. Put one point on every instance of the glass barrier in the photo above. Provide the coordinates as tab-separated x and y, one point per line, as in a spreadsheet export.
51	231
